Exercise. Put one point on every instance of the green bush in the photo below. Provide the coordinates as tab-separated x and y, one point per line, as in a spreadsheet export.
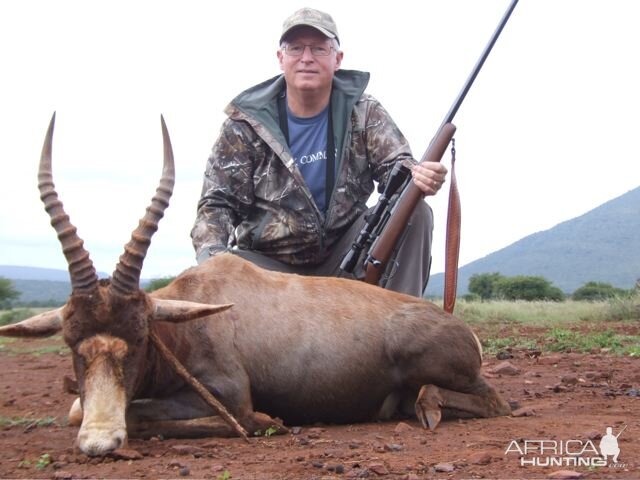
7	292
528	288
484	284
594	291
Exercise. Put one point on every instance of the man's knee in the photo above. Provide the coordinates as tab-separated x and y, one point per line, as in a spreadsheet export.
263	261
420	228
422	217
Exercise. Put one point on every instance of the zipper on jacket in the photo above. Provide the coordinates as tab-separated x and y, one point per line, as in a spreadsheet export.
332	201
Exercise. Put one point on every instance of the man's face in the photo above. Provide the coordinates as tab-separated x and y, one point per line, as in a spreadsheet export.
308	72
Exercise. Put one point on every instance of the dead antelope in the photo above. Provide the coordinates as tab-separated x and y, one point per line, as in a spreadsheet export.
304	349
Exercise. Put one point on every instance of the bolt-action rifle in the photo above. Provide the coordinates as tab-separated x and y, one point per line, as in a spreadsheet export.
385	224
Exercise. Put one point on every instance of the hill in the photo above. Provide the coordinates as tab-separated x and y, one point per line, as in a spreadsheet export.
15	272
48	286
42	292
602	245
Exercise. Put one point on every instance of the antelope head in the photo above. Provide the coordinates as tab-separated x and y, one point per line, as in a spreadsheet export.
106	323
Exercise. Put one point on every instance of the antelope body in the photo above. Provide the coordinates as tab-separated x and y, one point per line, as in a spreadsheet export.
304	349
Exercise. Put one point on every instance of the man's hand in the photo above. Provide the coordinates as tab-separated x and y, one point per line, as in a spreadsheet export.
429	176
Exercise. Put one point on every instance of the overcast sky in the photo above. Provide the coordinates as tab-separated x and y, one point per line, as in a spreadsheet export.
548	131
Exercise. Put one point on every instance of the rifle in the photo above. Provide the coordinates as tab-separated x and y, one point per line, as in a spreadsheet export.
385	224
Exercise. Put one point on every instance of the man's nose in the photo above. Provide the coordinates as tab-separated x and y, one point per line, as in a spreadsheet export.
306	53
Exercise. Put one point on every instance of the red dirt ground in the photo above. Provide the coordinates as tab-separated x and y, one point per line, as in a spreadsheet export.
567	397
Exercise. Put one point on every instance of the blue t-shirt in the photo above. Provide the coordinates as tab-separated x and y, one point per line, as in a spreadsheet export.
308	144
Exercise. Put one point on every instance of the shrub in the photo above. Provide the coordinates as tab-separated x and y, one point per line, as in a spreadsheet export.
484	284
7	292
528	288
593	291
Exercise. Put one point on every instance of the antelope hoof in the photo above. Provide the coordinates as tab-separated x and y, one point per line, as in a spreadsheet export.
430	419
428	406
263	424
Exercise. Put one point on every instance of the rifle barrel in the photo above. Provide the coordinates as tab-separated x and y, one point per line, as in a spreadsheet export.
620	433
476	69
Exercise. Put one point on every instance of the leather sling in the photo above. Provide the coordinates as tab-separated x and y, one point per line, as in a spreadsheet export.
452	245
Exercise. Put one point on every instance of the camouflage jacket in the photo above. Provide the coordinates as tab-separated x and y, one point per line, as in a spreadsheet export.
255	197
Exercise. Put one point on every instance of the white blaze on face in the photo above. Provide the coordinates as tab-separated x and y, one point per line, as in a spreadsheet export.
103	427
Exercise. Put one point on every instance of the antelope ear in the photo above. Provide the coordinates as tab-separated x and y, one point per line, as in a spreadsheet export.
42	325
178	311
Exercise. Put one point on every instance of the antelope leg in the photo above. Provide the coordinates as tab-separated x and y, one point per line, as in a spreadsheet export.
193	428
485	403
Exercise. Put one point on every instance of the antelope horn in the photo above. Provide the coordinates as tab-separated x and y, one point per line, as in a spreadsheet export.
126	276
83	275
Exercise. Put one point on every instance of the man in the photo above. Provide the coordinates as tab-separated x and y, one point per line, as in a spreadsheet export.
288	179
609	445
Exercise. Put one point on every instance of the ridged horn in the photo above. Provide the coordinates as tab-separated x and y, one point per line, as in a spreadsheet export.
126	276
81	270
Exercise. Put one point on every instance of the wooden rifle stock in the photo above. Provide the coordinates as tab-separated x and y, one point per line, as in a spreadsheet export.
383	246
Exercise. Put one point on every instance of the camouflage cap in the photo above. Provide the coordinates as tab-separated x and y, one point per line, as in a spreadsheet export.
313	18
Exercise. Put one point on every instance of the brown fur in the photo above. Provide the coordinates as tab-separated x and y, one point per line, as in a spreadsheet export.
316	349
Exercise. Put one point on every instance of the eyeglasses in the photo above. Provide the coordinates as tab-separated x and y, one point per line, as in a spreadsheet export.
295	50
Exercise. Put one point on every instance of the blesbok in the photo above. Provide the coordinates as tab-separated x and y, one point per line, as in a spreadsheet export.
304	349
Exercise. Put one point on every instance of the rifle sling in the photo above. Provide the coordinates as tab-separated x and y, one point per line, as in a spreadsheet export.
452	245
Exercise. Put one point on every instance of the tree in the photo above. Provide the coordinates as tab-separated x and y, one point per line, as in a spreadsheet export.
528	288
484	284
597	291
7	292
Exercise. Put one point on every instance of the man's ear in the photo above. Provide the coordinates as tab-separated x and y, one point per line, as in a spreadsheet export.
280	59
339	57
